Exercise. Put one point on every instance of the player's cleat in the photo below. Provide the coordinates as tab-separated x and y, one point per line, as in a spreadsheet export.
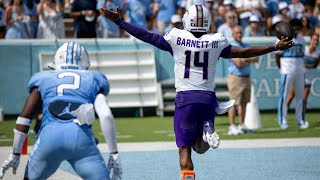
233	130
210	136
188	175
243	129
224	107
114	165
303	125
283	126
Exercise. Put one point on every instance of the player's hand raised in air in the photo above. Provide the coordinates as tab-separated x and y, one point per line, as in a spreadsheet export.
284	44
111	15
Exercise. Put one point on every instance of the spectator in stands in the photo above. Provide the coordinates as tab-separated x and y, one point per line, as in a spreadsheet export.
247	8
272	7
283	15
219	17
284	12
226	28
30	9
2	20
175	23
228	4
308	12
296	9
84	13
137	12
51	25
15	21
239	84
217	3
106	28
311	61
254	28
164	9
210	6
152	25
181	7
306	29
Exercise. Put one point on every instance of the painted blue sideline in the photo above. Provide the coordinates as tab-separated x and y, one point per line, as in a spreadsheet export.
239	163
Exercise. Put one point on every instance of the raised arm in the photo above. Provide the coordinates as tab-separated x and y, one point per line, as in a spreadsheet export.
241	62
238	52
151	38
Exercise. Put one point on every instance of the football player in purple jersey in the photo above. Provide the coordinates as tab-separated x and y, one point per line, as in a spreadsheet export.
195	52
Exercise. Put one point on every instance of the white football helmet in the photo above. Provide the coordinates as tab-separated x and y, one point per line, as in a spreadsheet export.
71	55
197	18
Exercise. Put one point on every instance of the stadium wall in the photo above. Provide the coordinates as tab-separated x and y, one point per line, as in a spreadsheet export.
19	59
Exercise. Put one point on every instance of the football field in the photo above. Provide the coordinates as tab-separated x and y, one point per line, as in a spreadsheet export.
264	159
148	151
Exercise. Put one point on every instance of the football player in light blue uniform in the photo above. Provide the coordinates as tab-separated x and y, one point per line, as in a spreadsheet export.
66	95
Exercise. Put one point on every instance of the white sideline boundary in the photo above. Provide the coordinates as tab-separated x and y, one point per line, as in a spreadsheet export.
162	146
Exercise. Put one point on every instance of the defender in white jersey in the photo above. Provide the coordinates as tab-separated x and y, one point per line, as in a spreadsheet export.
311	60
292	70
195	53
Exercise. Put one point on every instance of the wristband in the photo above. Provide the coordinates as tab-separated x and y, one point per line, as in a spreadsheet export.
23	121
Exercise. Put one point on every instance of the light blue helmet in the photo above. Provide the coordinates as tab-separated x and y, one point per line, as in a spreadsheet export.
71	55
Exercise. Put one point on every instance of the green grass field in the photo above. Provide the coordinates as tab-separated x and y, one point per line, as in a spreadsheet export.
161	129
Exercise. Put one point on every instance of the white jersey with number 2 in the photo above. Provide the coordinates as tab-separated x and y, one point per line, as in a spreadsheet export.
195	59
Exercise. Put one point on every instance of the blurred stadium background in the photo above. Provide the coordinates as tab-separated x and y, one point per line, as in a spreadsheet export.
141	76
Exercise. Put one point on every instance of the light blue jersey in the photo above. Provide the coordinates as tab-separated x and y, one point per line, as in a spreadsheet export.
70	86
60	138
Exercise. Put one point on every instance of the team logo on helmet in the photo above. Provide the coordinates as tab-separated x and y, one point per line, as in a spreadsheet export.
197	19
71	55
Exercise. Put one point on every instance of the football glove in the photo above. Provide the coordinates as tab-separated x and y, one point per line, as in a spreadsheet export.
12	161
114	165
